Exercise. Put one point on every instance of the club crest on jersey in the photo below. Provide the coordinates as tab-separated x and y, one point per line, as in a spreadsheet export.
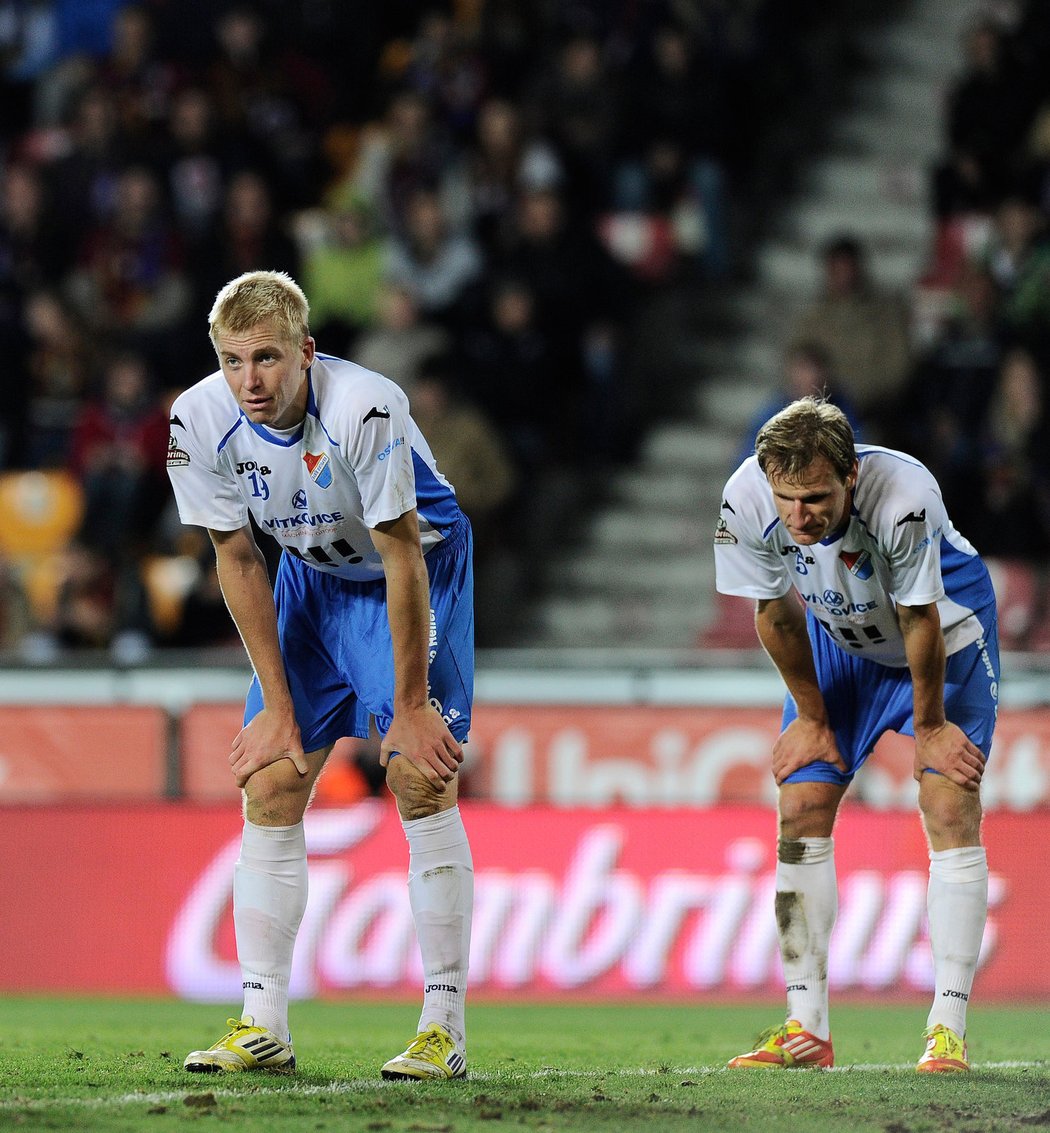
858	563
299	500
319	467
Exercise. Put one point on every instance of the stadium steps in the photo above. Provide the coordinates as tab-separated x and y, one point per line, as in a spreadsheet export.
641	573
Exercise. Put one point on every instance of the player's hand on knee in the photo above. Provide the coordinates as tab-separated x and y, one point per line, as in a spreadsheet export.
950	751
801	743
265	739
421	736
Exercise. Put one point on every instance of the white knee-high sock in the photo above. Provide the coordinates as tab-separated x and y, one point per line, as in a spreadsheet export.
957	907
807	903
269	899
441	892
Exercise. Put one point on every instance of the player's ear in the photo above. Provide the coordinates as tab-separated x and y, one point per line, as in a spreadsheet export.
851	479
309	351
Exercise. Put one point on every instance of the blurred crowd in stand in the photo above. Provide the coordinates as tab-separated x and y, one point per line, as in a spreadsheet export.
476	196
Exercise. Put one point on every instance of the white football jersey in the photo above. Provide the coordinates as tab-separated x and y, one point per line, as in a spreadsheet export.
898	547
356	460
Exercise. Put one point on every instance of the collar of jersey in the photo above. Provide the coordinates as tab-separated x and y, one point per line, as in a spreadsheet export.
829	539
295	437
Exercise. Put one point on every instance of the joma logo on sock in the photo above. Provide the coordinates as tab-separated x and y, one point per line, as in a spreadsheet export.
797	987
951	994
442	987
252	984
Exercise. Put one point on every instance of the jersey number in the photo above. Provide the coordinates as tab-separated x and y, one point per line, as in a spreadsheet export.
869	635
321	554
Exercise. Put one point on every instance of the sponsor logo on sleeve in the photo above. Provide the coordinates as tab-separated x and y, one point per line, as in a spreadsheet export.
176	455
722	533
319	467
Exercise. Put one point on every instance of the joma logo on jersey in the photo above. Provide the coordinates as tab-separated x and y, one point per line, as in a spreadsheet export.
319	467
858	563
250	466
802	561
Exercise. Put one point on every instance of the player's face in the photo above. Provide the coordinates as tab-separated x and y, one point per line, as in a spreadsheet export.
816	504
266	374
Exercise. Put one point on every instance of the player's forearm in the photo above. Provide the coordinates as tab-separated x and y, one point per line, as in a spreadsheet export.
246	590
924	648
782	632
408	608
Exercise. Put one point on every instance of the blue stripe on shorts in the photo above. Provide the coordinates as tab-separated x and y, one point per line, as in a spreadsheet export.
865	699
335	639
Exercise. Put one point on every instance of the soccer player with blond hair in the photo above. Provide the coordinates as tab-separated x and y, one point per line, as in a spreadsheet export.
370	615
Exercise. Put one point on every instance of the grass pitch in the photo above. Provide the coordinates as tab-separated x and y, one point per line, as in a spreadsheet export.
117	1065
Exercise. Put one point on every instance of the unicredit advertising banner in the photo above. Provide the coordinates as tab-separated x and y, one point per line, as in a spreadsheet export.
614	903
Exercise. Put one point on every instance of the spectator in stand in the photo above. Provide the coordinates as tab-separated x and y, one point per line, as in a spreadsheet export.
403	154
468	448
863	330
83	182
444	65
342	274
949	392
501	162
581	299
520	377
271	95
988	111
434	263
576	105
30	253
198	161
672	139
1018	258
1014	460
130	286
29	258
59	356
806	373
400	342
141	81
118	454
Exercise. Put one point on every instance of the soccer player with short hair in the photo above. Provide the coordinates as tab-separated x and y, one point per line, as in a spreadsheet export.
879	617
371	615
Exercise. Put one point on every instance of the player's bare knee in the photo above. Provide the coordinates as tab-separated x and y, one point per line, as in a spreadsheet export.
805	815
276	795
950	813
416	795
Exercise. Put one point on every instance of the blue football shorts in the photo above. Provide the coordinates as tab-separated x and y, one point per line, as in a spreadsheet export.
865	699
335	640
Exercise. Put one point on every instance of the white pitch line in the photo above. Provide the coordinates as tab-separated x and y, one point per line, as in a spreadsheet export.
364	1085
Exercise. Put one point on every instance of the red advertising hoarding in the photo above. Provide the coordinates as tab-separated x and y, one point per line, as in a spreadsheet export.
617	903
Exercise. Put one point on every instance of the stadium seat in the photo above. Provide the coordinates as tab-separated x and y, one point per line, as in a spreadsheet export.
732	624
1021	595
167	580
42	512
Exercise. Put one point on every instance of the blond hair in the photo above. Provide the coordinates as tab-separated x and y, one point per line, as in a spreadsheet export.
807	429
261	297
